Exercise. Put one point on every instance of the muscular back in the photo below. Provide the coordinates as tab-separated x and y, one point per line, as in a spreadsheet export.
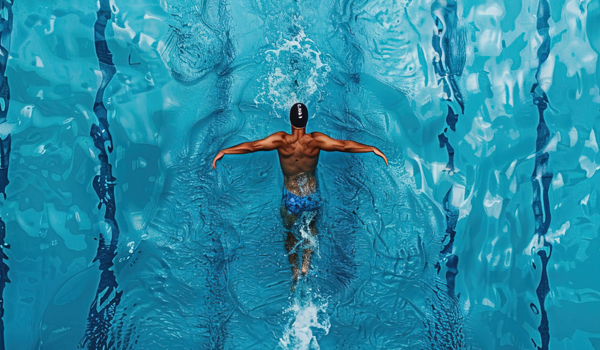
298	154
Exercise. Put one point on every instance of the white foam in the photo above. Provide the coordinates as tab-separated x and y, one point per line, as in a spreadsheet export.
278	86
305	317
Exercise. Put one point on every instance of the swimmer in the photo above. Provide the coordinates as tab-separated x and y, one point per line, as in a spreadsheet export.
298	156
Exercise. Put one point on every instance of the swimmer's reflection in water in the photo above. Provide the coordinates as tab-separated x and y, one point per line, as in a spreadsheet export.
298	157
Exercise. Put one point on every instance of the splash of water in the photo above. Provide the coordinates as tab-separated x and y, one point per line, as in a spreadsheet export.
282	86
307	320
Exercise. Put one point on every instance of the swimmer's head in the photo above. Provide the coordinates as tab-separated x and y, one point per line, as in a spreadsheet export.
299	115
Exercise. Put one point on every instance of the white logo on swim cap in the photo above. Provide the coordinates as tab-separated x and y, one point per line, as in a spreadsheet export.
299	111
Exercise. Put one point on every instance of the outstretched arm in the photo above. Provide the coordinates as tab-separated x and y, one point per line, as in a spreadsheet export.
267	144
328	144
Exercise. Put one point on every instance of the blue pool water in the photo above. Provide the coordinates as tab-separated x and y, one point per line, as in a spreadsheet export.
481	234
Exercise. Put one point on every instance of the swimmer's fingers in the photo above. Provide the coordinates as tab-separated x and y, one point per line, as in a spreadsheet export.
217	158
379	153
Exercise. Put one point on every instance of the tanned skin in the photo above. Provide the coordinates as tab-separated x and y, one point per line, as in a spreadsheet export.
298	156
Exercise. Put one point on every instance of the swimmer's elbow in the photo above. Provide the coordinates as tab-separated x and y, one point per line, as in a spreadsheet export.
346	146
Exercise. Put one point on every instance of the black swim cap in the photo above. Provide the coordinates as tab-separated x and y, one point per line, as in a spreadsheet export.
299	115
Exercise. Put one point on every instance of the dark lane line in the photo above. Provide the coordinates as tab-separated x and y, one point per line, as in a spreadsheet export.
6	24
102	310
541	202
449	43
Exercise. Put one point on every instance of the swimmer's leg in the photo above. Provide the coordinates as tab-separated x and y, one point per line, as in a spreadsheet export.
308	252
290	244
291	241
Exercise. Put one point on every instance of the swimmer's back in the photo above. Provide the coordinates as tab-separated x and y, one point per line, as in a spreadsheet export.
298	154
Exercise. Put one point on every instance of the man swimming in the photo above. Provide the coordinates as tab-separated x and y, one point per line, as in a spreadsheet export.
298	157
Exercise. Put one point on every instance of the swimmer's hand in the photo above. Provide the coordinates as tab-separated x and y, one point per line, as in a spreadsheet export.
217	158
379	153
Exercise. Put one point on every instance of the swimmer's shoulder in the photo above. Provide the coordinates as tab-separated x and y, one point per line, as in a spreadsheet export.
281	135
318	136
312	139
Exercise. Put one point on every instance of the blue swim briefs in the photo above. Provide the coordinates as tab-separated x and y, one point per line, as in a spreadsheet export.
299	204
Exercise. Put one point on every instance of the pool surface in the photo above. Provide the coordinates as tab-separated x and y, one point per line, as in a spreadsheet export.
116	233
